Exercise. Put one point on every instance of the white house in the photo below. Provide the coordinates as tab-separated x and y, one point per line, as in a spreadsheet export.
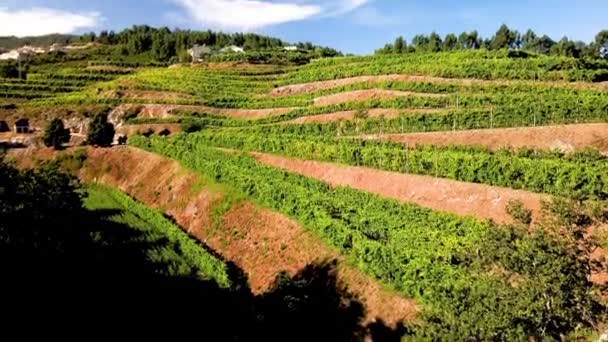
57	47
14	54
232	48
290	48
198	52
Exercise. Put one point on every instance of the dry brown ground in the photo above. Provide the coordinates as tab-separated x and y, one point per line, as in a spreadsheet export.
368	94
259	241
563	137
478	200
129	130
350	115
165	111
323	85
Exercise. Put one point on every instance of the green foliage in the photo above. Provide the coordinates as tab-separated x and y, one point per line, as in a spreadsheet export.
474	280
576	175
191	126
33	205
504	38
10	70
182	255
56	134
101	132
518	212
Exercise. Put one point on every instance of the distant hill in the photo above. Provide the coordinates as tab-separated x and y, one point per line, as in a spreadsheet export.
13	42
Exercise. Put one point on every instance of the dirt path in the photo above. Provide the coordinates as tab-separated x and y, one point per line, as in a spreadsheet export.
368	94
350	115
149	95
323	85
165	111
565	138
129	130
259	241
482	201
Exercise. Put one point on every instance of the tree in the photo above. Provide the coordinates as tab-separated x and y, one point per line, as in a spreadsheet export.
469	40
529	41
450	42
400	45
601	41
435	43
387	49
101	132
420	42
504	38
566	47
56	134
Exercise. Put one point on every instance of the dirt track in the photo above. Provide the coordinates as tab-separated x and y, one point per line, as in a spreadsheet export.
482	201
366	95
259	241
165	111
350	115
129	130
323	85
565	138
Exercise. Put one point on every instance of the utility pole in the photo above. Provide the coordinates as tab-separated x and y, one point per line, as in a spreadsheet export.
19	64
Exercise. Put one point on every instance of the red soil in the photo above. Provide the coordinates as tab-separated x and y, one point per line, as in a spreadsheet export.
368	94
129	130
350	115
323	85
481	201
259	241
165	111
564	137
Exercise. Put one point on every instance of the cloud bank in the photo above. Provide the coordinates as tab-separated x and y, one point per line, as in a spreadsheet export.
254	14
40	21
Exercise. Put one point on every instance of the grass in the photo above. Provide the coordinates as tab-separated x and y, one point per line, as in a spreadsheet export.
166	244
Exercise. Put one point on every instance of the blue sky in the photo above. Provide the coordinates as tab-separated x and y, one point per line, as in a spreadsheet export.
356	26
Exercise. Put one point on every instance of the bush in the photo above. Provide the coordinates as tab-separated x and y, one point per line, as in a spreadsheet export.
148	132
101	132
518	212
192	126
56	134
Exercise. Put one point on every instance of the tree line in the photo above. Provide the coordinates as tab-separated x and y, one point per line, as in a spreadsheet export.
505	38
163	43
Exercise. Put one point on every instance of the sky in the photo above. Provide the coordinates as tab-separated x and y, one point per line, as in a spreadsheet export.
352	26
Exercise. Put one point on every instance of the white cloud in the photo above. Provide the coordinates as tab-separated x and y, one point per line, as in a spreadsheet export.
345	6
254	14
40	21
372	17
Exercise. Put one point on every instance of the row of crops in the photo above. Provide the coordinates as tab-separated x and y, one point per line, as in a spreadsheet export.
461	64
447	263
172	246
582	175
49	81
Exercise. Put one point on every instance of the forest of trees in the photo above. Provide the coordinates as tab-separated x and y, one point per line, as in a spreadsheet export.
162	44
505	38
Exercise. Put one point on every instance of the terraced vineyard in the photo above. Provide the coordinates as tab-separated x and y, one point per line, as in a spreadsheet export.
471	186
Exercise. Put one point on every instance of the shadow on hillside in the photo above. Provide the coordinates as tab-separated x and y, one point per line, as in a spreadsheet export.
100	280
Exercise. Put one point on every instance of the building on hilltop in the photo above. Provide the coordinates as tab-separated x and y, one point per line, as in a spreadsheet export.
198	52
232	48
290	48
14	54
